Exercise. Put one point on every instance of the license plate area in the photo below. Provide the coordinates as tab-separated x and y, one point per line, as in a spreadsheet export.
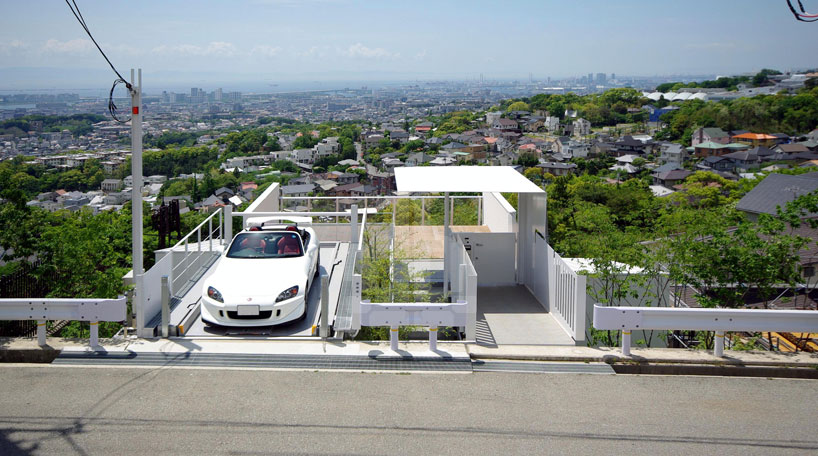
247	310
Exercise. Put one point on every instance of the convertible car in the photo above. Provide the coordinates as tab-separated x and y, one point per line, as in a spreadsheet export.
264	277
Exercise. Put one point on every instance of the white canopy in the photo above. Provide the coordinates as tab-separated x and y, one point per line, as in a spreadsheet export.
470	179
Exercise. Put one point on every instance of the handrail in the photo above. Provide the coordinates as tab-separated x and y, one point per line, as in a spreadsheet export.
380	197
198	227
626	319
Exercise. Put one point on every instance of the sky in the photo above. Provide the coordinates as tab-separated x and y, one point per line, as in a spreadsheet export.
210	42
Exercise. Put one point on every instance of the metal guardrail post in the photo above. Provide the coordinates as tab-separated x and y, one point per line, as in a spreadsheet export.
228	224
324	325
433	338
393	337
353	223
626	342
718	347
165	307
94	329
41	333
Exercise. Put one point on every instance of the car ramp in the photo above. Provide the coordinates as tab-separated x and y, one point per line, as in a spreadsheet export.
185	315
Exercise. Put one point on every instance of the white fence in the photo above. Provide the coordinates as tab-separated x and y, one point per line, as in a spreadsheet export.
566	296
627	319
42	310
464	281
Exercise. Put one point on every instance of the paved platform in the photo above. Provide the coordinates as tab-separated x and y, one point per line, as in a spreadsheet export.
26	350
511	316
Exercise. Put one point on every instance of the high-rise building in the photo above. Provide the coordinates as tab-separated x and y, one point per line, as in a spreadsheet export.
590	78
613	76
217	95
601	79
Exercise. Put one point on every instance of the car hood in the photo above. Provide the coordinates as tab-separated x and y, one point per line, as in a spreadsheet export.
257	278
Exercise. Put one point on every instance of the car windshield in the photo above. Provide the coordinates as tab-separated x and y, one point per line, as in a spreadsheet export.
266	245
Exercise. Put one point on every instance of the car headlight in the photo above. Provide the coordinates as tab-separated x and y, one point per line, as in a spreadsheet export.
214	294
287	294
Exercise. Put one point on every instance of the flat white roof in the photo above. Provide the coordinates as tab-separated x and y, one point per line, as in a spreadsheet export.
471	179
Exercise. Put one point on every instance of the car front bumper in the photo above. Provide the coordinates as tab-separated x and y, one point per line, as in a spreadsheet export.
226	314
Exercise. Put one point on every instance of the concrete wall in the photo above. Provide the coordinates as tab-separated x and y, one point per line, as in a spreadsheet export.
498	214
267	201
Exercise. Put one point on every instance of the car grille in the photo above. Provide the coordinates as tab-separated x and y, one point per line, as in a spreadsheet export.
264	314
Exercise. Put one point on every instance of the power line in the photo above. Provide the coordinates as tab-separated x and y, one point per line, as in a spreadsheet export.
803	15
112	109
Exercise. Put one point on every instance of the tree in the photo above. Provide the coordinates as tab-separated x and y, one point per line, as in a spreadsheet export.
528	159
518	106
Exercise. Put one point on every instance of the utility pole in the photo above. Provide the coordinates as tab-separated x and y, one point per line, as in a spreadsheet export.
136	198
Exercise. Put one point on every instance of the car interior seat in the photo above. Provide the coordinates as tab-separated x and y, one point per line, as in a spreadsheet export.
288	244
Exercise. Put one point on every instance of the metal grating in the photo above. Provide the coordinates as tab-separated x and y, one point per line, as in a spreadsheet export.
247	360
542	367
343	314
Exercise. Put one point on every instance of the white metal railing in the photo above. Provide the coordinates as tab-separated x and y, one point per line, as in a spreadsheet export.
194	256
42	310
627	319
463	280
433	315
567	296
386	198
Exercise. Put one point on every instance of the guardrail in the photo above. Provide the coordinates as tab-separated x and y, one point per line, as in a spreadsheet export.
626	319
42	310
412	313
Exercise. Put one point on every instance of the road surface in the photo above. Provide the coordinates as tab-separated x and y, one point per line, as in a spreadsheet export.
108	411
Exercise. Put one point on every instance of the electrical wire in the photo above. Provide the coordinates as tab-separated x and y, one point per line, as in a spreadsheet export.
802	16
112	108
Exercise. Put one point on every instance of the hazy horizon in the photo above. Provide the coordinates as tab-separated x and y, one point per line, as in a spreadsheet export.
219	44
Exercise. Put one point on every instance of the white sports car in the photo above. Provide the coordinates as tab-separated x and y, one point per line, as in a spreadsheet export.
264	277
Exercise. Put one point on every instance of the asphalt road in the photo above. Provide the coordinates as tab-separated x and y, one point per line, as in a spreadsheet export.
111	411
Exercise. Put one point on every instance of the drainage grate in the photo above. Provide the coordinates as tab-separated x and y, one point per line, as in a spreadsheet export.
245	360
541	367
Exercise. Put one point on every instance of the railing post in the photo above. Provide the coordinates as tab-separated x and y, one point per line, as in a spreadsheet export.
41	333
228	224
324	328
393	337
353	223
422	211
94	342
210	234
165	307
433	338
718	347
626	342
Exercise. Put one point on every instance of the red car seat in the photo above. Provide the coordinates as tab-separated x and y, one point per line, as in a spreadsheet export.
289	244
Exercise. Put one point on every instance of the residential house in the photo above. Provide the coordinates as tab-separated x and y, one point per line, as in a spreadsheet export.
708	149
297	190
558	169
791	148
418	158
670	178
505	125
716	163
776	190
111	185
552	123
744	159
582	127
673	153
713	134
755	139
399	135
383	181
302	156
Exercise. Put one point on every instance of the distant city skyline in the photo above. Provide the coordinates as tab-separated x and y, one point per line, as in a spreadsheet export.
211	43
